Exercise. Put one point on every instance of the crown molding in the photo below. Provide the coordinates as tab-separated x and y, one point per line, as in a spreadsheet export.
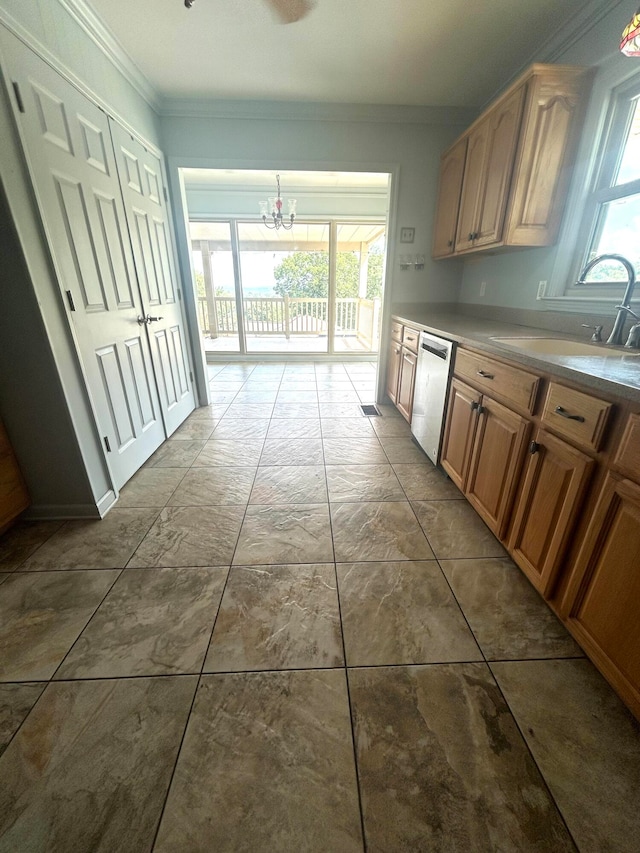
307	111
107	42
592	13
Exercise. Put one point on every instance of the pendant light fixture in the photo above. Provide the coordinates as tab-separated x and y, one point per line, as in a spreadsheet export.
630	43
271	211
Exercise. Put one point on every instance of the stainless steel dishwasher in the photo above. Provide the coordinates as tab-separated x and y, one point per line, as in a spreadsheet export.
430	395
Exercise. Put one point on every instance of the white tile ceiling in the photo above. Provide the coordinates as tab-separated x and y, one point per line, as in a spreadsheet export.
401	52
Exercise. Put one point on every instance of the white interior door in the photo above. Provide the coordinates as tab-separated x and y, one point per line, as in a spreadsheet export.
147	214
72	164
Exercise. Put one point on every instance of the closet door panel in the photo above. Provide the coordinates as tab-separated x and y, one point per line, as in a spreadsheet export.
144	199
70	157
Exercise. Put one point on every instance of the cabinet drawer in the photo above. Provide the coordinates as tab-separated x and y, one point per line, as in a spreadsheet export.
627	458
396	331
512	384
577	416
410	338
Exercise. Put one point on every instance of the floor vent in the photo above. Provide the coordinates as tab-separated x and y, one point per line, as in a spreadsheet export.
370	411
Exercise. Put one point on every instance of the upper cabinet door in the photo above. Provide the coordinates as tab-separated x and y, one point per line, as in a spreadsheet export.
451	172
504	123
143	191
472	185
70	157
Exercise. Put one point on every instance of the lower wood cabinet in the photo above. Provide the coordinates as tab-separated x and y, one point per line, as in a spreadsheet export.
393	370
601	601
406	383
14	497
553	487
483	447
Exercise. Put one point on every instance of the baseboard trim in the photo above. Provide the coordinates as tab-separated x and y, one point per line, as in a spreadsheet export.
66	512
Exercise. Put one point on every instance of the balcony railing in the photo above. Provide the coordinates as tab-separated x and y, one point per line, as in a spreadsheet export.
289	316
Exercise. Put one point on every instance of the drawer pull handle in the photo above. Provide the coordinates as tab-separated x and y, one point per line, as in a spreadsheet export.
485	375
534	447
474	405
565	414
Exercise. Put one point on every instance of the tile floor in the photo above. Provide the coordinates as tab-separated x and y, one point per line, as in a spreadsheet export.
292	634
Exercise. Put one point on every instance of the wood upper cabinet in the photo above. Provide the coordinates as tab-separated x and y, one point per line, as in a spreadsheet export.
601	602
554	484
519	157
498	450
449	188
491	152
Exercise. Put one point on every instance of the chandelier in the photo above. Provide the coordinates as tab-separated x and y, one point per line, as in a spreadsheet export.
271	211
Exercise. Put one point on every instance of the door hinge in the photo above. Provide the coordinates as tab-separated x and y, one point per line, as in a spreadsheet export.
16	92
166	196
179	295
191	376
106	443
72	306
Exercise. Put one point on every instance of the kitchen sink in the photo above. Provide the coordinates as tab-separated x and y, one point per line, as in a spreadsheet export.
558	346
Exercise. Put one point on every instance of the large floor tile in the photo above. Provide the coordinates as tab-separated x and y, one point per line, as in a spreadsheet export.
285	533
266	764
277	617
104	544
586	744
212	412
402	450
297	396
443	767
509	619
151	487
21	540
41	615
377	531
194	429
90	767
292	451
289	484
296	410
191	536
230	452
353	483
237	429
455	530
16	700
353	451
152	622
401	613
396	427
425	482
346	428
214	487
340	410
175	454
303	428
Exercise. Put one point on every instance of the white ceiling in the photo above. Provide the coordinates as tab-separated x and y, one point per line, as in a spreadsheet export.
401	52
255	179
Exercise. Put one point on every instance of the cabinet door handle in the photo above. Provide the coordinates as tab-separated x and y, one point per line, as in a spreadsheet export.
534	447
565	414
474	405
471	236
481	410
450	243
485	375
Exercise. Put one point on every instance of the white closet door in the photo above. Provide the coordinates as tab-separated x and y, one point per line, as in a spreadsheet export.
147	214
72	165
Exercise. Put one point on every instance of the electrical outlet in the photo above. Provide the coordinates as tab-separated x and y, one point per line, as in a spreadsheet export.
483	288
542	289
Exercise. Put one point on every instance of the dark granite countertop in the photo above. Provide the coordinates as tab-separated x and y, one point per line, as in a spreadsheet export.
619	375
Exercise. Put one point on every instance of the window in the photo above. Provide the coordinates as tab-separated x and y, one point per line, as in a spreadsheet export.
611	221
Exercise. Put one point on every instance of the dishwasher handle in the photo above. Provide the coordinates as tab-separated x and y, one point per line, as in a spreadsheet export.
434	349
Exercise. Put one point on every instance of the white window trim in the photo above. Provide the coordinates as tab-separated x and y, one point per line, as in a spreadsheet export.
613	76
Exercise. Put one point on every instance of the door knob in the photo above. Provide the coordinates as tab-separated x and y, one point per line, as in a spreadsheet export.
141	321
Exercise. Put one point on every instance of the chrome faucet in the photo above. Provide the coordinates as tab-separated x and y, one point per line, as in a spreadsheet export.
615	338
